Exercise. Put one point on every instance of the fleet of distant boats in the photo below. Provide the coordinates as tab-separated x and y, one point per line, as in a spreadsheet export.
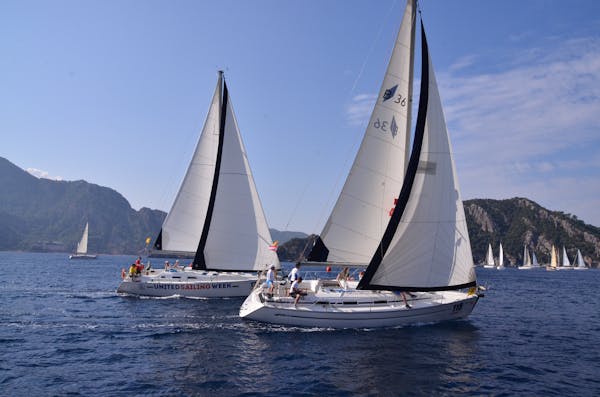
531	262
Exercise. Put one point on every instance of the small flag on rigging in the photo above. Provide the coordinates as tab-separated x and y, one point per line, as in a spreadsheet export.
273	247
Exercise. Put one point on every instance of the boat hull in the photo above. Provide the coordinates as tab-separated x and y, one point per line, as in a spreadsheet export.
82	256
189	283
358	309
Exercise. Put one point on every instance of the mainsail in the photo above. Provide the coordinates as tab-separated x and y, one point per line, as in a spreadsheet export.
217	212
426	244
579	260
362	211
565	258
83	243
526	259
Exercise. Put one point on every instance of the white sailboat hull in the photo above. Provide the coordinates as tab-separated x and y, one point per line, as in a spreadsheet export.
82	256
189	283
351	308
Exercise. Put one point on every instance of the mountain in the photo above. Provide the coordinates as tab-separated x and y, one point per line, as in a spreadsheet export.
41	214
519	221
513	222
284	236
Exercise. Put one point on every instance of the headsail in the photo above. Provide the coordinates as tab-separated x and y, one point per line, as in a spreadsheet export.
565	258
426	244
362	211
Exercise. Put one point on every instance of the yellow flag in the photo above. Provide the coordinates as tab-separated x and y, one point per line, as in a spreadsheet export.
148	239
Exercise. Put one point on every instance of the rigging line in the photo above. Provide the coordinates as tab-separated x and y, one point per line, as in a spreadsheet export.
362	69
297	205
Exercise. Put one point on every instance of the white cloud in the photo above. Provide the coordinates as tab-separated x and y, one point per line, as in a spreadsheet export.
359	110
43	174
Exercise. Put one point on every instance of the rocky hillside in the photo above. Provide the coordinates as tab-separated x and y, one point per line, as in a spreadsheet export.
514	223
45	215
519	221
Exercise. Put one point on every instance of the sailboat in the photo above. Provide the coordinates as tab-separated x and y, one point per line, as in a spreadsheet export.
534	262
566	264
500	258
82	246
216	216
401	217
553	259
489	258
526	260
580	262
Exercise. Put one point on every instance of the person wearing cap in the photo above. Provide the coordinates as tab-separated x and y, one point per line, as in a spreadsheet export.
167	266
271	274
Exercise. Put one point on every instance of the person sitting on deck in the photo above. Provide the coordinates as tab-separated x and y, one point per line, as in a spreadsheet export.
404	298
296	291
132	270
342	277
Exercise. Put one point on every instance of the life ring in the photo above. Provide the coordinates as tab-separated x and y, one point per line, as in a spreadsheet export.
123	274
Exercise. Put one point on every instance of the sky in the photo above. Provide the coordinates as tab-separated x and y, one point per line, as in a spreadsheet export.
116	93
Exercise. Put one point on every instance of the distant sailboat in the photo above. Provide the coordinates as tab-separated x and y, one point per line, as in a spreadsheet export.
403	220
82	247
580	263
500	258
534	261
489	258
566	264
526	260
553	259
216	216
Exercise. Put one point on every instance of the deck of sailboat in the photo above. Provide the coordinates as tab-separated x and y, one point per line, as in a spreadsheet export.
327	304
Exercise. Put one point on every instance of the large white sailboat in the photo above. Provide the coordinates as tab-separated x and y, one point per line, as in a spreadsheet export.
401	216
527	265
580	263
216	216
489	258
82	246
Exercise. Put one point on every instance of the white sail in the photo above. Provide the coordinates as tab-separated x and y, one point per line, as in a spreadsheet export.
565	258
579	260
430	248
83	243
501	256
489	259
526	259
220	212
534	261
362	211
183	225
553	257
239	236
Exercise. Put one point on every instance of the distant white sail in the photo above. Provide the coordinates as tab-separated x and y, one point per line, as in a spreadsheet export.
82	246
579	260
565	258
501	257
534	261
362	211
489	260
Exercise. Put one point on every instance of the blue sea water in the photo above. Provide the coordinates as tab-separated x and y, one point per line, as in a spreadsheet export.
64	331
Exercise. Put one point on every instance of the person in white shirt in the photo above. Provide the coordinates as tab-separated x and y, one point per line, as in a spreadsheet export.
294	275
296	291
271	274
